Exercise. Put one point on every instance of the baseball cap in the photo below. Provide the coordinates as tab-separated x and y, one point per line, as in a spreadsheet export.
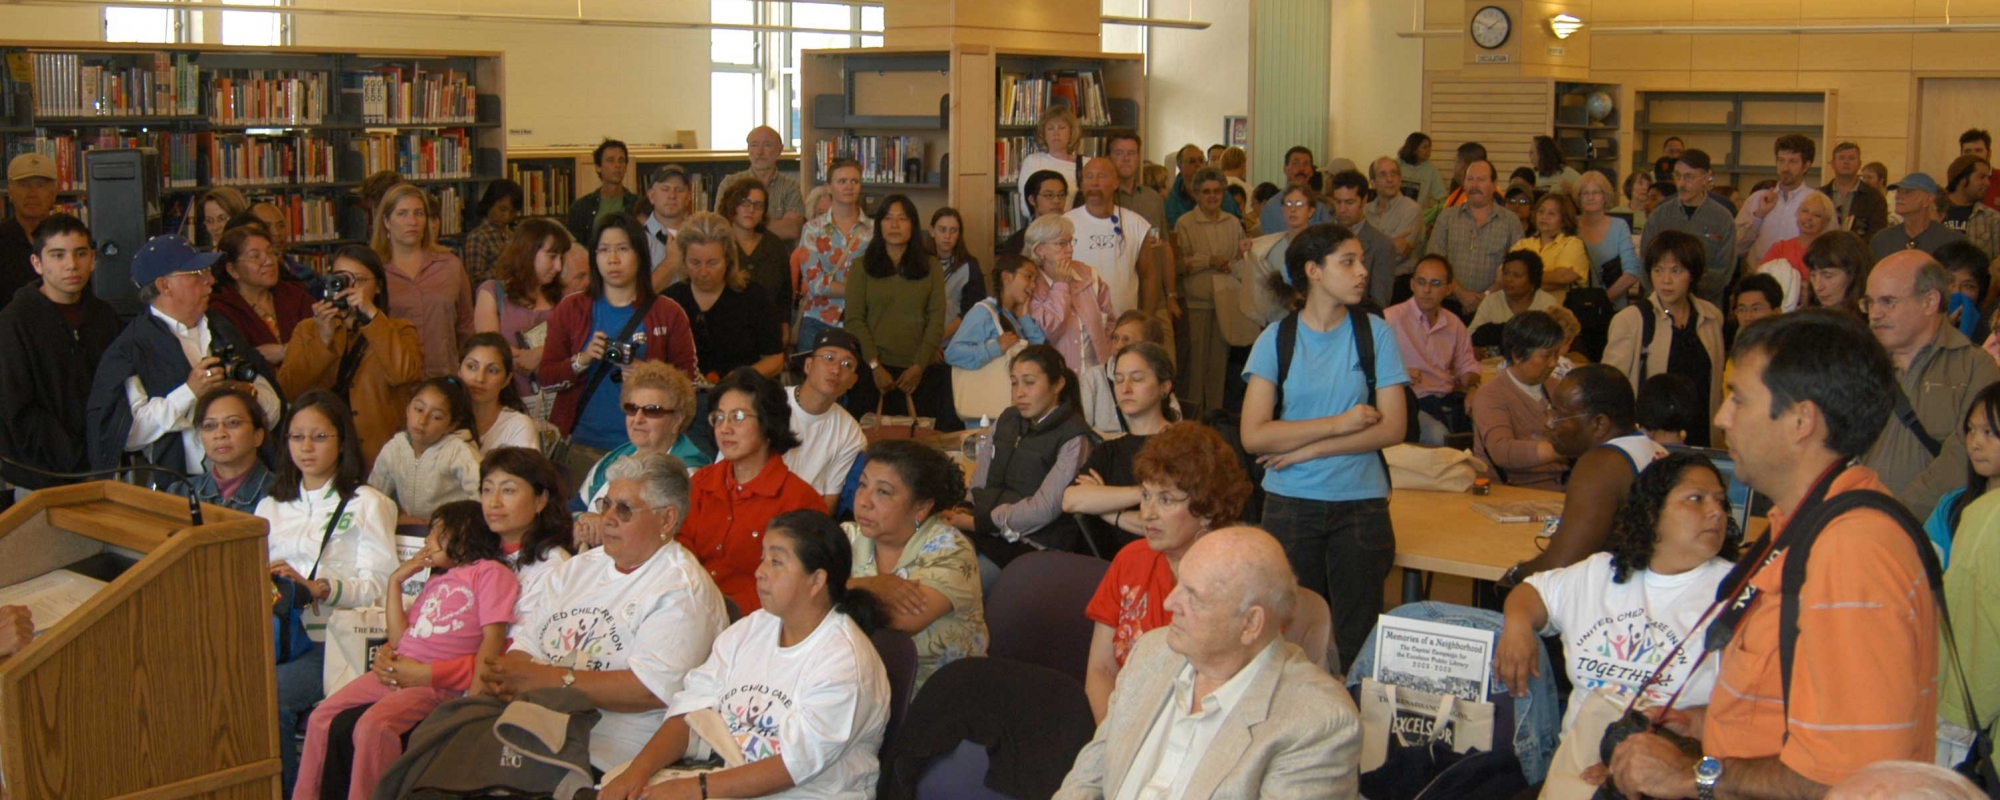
31	165
166	255
838	337
1916	181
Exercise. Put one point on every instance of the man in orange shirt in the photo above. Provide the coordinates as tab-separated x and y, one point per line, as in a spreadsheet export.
1809	393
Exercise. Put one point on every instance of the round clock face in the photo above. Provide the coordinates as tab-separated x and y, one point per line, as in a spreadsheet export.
1490	27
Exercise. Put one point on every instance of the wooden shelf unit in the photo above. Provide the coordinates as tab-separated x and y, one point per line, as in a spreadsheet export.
1736	129
948	97
1588	144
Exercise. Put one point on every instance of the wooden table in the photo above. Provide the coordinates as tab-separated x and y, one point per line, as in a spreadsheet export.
1439	532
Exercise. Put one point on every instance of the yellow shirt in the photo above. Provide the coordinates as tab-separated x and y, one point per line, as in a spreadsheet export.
1566	252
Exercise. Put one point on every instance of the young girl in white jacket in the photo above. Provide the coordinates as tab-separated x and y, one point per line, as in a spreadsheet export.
435	460
343	560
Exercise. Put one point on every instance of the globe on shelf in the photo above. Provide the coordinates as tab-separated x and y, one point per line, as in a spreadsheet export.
1597	106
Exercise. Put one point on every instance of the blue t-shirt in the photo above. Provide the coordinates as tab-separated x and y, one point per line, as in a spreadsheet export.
1326	381
602	423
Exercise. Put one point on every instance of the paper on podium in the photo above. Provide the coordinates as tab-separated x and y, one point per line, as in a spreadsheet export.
52	596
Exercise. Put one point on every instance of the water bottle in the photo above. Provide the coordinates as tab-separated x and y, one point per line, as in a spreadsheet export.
977	439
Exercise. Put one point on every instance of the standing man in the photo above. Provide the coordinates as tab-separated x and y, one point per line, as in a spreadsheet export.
1921	452
611	197
1349	198
1772	215
1977	142
1114	240
1860	207
1673	147
1916	198
1125	149
1965	183
784	204
1474	236
142	397
1697	211
1299	169
31	192
1437	351
54	332
1810	391
1396	216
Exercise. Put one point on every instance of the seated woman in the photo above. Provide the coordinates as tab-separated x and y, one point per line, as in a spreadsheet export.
1516	290
734	498
330	533
1670	551
1553	239
924	572
1190	483
804	663
658	402
353	347
668	613
992	328
517	302
1510	415
250	295
1037	447
434	460
499	418
232	437
1098	386
1108	488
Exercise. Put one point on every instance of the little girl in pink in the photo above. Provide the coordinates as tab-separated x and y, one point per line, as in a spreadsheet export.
464	609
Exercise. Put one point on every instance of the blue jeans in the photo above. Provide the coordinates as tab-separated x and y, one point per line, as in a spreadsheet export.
300	687
1341	549
809	328
1537	716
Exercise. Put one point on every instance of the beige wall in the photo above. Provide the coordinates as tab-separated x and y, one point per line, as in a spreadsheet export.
1198	77
1377	87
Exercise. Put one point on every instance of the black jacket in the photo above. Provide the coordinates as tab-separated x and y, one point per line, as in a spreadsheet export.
45	381
1869	209
583	214
1023	453
148	349
1031	720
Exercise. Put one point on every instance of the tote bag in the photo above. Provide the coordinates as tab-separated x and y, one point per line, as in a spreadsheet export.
985	392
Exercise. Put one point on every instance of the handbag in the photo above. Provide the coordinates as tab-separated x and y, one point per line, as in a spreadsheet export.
352	637
1238	328
1410	737
879	426
289	600
986	392
1431	469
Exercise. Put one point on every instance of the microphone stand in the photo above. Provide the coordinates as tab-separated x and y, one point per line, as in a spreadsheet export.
194	506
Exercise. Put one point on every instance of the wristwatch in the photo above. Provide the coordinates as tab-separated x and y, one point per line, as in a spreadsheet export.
569	678
1707	772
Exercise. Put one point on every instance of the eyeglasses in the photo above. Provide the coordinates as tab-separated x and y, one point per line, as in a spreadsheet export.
651	411
836	361
232	424
1117	229
197	274
618	510
1554	421
1057	195
1162	499
1432	283
1887	304
751	204
715	419
317	438
1298	204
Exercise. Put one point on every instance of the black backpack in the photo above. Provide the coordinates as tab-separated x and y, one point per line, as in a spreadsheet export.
1364	351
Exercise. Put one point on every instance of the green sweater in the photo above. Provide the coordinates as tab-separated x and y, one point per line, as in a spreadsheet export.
899	321
1972	588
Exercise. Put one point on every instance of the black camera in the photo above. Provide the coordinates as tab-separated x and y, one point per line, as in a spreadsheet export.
234	367
1635	722
619	353
331	288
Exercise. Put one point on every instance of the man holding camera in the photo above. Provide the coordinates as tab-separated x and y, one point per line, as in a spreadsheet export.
142	400
53	332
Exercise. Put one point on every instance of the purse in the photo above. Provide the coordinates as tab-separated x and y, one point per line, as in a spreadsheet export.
986	392
880	426
289	600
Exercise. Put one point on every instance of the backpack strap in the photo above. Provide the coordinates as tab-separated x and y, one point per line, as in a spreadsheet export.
1908	417
1288	340
1364	351
1648	328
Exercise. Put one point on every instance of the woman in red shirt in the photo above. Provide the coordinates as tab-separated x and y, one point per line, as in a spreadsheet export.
731	500
1190	484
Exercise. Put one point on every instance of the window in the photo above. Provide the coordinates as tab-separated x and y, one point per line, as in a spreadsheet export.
149	25
169	25
1127	38
754	75
255	28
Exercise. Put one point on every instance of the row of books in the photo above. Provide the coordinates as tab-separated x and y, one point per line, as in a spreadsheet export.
418	155
1024	96
884	159
67	87
313	218
545	190
268	97
451	212
179	167
242	160
1009	150
410	95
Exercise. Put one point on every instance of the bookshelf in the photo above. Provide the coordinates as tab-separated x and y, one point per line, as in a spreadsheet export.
552	177
300	127
1737	129
1587	143
973	107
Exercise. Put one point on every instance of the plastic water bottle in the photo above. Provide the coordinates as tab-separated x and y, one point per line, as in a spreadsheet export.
977	439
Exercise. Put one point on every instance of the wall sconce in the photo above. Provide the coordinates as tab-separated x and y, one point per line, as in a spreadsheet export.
1563	25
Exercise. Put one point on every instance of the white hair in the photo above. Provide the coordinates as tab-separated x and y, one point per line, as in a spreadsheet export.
1905	780
663	479
1043	231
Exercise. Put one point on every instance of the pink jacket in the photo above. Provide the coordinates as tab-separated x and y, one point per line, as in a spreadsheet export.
1069	313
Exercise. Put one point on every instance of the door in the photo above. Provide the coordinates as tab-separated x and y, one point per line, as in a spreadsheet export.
1947	107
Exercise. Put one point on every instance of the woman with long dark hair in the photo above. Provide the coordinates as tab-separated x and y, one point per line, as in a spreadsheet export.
499	207
355	348
1418	171
964	284
746	204
896	307
1107	489
517	302
1553	174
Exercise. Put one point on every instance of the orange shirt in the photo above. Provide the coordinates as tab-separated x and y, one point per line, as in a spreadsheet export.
725	524
1131	599
1864	678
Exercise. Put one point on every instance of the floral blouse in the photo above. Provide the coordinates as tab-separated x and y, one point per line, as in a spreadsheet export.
829	253
939	557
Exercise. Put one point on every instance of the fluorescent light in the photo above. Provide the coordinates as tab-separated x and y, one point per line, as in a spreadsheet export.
1562	25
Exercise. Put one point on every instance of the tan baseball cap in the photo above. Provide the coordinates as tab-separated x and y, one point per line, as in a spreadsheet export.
31	165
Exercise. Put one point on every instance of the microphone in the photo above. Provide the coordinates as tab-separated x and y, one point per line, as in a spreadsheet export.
194	506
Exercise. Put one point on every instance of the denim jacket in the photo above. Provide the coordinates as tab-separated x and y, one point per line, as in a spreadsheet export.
255	486
978	339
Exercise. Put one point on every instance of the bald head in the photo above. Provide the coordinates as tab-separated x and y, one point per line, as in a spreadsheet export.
765	145
1100	185
1905	301
1904	780
1252	566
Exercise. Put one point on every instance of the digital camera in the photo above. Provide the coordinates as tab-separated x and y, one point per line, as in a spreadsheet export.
234	366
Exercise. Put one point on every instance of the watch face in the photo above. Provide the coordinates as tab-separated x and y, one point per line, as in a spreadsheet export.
1709	769
1490	27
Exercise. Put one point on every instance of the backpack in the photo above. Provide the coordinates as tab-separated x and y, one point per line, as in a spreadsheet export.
1364	351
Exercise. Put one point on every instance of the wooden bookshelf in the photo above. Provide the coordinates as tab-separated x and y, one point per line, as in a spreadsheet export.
572	170
287	124
950	97
1587	143
1736	129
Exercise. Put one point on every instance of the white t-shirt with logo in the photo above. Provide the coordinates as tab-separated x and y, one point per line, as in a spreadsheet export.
821	704
828	444
657	621
1615	635
1114	256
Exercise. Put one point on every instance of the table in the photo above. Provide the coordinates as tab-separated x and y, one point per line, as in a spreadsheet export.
1440	532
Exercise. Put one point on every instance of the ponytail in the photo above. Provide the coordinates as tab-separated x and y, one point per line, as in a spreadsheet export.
1051	363
822	546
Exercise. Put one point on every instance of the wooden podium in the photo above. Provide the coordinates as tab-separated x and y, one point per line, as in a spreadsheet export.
161	685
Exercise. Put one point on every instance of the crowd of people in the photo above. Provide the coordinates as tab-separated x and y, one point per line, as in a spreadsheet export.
632	443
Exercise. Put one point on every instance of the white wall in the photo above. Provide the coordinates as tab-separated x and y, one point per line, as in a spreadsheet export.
1198	77
1376	91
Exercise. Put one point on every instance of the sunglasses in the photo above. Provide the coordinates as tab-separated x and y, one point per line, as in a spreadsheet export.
617	509
651	412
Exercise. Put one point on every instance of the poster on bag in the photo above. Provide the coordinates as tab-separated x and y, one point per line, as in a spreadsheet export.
1433	657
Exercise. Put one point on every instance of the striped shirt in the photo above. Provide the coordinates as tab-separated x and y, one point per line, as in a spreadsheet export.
1474	248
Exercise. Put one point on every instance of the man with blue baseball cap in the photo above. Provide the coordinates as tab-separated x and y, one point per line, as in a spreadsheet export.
142	400
1916	197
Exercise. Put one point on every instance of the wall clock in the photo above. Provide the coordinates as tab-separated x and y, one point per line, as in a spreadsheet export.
1491	26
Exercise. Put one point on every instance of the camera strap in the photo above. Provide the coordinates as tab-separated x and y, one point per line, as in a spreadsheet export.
602	369
350	364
